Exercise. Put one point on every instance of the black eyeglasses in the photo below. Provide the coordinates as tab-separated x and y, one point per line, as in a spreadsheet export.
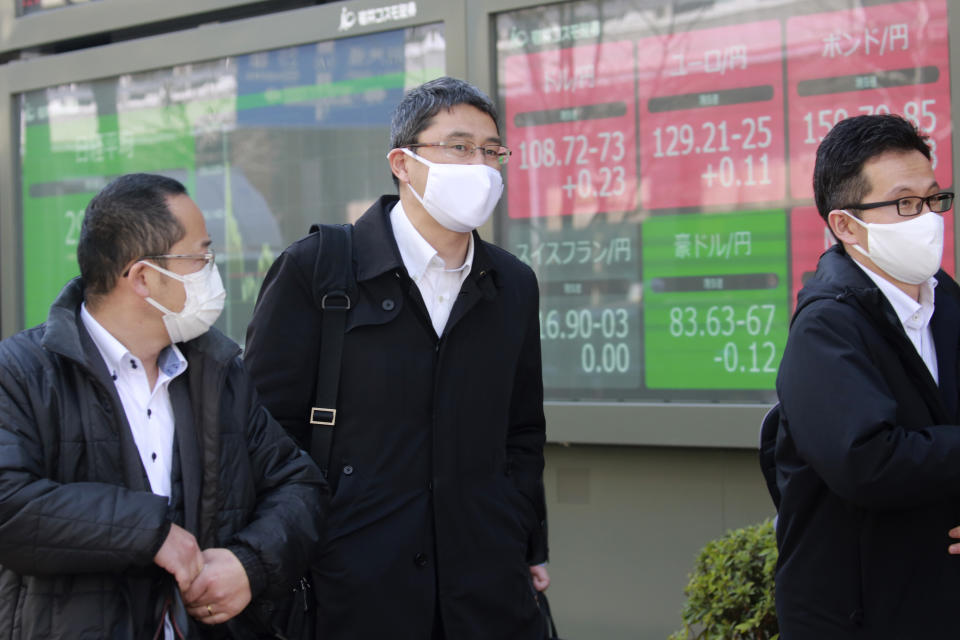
911	205
492	153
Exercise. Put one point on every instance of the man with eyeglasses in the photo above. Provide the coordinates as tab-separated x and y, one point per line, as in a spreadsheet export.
437	522
867	453
144	491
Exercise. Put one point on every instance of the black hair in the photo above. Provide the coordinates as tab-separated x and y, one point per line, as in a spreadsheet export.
127	220
838	178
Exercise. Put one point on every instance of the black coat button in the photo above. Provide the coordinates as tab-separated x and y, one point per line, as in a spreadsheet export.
420	559
347	470
388	304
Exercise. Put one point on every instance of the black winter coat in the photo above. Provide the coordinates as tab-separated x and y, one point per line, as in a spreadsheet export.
79	526
868	465
437	455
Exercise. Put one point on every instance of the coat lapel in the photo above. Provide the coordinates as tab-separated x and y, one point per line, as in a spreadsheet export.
943	325
878	308
479	285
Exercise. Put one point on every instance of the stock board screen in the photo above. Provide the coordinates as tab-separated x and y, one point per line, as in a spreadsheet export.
713	312
250	136
574	157
660	183
884	59
712	131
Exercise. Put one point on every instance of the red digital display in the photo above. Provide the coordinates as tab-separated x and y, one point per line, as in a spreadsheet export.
891	58
711	116
809	237
570	122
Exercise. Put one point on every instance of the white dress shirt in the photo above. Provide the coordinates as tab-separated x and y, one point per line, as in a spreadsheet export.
914	316
439	286
149	411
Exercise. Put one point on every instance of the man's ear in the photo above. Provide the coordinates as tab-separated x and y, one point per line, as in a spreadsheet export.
398	164
842	226
136	279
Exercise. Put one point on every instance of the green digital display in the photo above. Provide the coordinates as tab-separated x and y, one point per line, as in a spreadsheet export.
251	137
65	164
715	309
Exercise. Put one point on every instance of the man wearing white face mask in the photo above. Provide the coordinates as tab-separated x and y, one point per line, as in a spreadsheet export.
438	522
146	492
868	443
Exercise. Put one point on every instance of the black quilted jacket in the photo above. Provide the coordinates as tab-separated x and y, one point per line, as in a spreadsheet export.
78	525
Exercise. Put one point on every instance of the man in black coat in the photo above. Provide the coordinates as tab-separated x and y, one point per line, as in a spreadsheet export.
144	491
437	522
868	446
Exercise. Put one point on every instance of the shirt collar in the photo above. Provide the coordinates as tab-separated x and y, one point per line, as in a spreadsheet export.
910	312
416	252
170	361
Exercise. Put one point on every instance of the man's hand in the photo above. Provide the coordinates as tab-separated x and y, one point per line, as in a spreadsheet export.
221	591
180	556
541	579
954	548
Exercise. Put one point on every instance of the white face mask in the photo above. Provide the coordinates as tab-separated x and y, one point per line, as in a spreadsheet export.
908	251
201	308
460	197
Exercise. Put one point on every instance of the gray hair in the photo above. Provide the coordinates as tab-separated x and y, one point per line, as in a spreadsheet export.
418	107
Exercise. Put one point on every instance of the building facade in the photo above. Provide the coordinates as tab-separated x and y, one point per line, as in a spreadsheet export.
660	187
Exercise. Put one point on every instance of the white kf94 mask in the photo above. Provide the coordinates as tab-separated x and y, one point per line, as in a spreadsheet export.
460	197
908	251
201	308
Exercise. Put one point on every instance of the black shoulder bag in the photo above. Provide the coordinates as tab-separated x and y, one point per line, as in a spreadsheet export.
334	265
551	627
295	618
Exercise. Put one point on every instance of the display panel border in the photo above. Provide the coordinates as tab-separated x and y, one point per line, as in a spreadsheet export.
472	57
99	16
11	297
206	42
724	425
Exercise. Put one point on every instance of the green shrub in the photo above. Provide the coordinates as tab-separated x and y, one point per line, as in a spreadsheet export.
730	593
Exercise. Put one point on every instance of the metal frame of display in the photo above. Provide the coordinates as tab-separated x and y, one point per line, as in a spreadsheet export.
96	16
733	425
634	423
472	57
207	42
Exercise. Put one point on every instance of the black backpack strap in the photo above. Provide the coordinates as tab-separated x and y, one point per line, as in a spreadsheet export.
768	445
334	266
